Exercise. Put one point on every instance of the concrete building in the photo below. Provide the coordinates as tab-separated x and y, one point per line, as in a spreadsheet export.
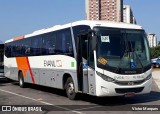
152	39
111	10
128	15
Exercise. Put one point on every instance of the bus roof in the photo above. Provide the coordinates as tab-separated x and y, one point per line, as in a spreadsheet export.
82	22
106	24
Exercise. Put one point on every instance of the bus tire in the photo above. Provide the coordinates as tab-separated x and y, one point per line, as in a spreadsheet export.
21	80
70	89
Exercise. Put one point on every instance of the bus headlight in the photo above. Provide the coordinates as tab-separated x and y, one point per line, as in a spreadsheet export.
148	77
106	78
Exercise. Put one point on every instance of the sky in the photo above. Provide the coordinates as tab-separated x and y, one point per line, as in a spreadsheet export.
21	17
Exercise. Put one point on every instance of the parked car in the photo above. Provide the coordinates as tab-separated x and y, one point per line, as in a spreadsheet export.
156	62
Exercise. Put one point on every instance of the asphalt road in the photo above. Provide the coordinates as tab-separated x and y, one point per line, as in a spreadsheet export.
56	100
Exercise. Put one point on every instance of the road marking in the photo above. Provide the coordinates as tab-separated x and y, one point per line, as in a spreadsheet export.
90	107
155	75
46	103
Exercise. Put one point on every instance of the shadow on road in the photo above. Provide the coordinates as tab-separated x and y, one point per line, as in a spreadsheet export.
3	81
104	101
43	89
116	101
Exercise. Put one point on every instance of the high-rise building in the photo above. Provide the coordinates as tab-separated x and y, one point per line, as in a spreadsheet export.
111	10
152	39
128	15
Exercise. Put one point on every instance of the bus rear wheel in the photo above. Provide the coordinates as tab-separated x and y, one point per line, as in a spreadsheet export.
21	80
70	89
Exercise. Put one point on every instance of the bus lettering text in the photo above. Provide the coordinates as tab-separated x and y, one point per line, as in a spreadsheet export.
49	63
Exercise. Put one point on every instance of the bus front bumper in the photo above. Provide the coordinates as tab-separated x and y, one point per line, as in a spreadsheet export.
112	89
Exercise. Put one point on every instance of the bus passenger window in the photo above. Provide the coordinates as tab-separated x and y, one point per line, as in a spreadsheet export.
49	44
36	46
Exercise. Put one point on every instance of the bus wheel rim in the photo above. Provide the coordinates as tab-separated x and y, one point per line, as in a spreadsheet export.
21	81
70	88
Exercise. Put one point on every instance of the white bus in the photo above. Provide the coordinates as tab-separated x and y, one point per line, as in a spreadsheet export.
99	58
1	61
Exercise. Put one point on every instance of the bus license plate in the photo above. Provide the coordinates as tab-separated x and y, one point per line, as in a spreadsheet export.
131	94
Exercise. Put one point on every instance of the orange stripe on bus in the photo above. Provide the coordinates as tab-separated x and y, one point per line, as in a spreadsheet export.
18	38
24	66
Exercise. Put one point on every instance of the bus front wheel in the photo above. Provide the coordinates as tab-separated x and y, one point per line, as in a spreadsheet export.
70	89
21	80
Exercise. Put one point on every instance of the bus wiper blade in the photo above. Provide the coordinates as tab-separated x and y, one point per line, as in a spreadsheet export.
125	51
133	51
139	60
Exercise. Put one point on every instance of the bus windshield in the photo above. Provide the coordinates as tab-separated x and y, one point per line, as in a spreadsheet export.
122	48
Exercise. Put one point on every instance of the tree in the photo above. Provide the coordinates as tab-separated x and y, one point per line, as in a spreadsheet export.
155	52
158	43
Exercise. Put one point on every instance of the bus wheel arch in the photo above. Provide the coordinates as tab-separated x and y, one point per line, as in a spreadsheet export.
21	79
69	86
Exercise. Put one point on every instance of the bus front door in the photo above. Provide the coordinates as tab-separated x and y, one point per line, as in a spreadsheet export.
82	67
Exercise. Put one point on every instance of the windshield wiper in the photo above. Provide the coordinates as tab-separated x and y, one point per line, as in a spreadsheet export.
133	51
126	51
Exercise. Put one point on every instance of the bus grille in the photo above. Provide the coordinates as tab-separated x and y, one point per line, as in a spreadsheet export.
123	83
128	90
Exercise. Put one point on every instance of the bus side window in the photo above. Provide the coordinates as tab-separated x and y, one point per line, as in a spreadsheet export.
49	44
26	47
36	45
68	47
52	46
45	43
59	43
8	50
14	49
11	49
19	48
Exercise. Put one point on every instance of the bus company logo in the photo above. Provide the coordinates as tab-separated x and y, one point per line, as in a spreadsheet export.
6	108
49	63
58	63
130	83
52	63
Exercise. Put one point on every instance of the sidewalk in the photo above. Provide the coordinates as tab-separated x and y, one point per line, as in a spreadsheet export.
156	76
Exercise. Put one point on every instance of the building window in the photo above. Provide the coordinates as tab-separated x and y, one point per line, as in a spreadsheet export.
113	7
